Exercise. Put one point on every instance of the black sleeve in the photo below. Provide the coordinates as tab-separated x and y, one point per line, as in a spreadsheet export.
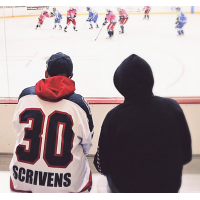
86	107
187	143
185	132
101	156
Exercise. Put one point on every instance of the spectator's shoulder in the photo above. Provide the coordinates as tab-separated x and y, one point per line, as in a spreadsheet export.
27	91
114	112
170	103
80	101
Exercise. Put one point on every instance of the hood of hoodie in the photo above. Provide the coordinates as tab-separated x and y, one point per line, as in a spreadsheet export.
54	88
134	78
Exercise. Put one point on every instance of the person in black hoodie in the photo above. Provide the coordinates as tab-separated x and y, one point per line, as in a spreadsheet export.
145	141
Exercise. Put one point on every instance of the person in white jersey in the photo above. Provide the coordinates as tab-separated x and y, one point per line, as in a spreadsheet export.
54	131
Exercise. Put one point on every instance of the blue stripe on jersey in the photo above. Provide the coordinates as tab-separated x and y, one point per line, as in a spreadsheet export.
79	100
27	91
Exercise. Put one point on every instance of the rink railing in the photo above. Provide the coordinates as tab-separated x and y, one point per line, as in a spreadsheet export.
131	13
100	106
24	11
110	100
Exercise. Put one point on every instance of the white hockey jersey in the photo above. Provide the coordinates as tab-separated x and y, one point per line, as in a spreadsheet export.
54	131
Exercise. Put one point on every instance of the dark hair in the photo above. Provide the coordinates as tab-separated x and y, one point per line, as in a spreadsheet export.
59	64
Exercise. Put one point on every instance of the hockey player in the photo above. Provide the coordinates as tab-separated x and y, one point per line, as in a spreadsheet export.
93	16
42	17
123	18
57	18
111	18
71	14
54	131
146	11
181	21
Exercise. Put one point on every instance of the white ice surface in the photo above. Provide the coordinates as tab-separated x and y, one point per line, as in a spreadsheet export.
175	61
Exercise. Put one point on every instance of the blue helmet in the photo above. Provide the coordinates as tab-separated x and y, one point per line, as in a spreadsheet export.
54	8
88	8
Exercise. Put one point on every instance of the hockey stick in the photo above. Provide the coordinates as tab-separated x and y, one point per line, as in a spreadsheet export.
99	33
140	10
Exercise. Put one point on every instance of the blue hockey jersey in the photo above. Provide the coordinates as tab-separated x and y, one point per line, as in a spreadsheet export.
181	17
57	16
92	15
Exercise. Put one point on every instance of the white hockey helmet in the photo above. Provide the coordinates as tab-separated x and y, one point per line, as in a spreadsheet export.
119	9
44	10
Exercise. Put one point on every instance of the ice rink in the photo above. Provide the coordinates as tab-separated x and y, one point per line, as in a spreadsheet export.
175	61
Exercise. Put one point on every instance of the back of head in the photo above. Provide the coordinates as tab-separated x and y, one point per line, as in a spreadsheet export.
134	77
178	8
59	64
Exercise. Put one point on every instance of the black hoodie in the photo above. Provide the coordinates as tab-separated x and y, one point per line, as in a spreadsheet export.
145	141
